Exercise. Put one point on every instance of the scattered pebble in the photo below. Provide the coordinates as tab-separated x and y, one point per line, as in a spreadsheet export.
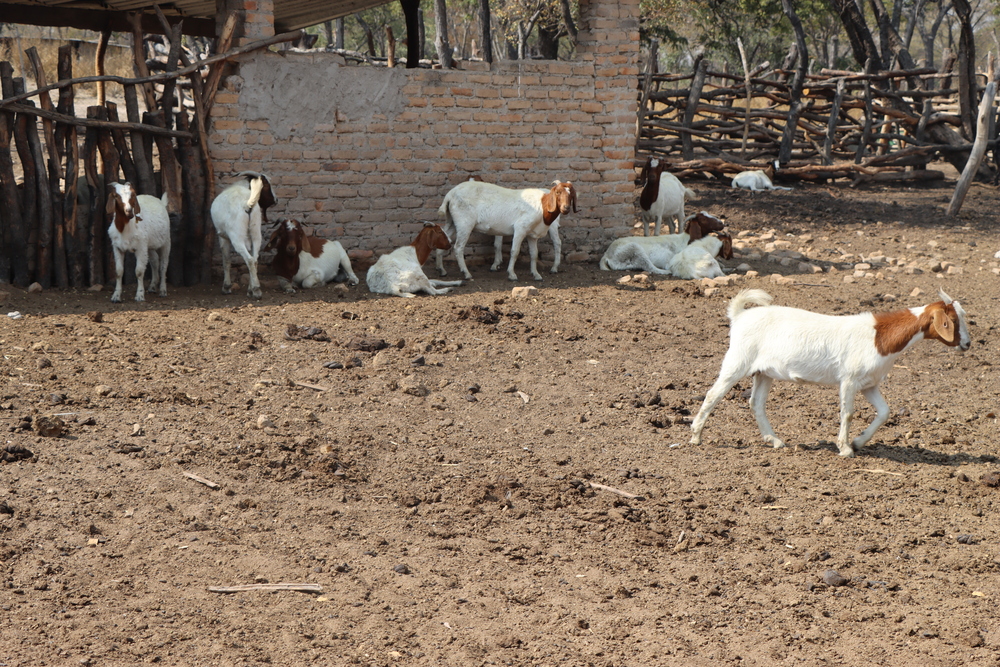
49	426
34	288
834	578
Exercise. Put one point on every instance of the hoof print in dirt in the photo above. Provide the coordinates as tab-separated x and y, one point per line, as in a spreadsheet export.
366	344
295	332
12	453
50	426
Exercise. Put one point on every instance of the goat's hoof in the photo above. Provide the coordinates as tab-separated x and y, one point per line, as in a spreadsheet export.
255	293
227	289
695	440
848	453
774	441
139	299
116	299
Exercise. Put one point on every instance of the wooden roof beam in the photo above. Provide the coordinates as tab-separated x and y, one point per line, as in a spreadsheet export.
99	20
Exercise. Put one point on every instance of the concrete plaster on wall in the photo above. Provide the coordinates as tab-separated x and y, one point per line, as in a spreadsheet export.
295	95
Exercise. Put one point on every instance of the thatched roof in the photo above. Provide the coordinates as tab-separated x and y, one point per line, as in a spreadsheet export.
199	15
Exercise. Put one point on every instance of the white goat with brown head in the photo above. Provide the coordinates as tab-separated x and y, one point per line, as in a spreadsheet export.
140	225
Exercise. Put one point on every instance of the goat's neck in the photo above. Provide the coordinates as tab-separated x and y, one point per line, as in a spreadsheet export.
896	330
423	250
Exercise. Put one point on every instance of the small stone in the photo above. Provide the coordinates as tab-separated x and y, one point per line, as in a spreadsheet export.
751	274
862	266
849	279
95	316
96	287
401	569
711	291
834	578
548	431
103	390
215	317
49	426
263	421
889	297
34	288
43	362
333	364
916	292
524	291
991	479
972	638
744	267
412	386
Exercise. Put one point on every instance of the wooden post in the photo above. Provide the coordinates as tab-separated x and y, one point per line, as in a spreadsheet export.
63	205
215	73
146	184
91	253
694	98
831	125
749	97
171	185
978	149
102	50
169	87
118	136
103	270
21	254
390	47
12	263
798	82
192	210
485	30
647	82
139	59
867	132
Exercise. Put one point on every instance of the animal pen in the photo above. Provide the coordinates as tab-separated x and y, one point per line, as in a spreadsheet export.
53	225
867	126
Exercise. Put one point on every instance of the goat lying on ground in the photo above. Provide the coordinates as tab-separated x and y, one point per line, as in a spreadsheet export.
305	260
237	214
757	180
491	209
141	225
852	351
653	253
697	260
399	272
662	197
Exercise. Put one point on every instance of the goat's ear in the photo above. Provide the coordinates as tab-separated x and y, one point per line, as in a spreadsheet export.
572	195
942	325
109	207
134	200
727	247
694	229
549	202
272	242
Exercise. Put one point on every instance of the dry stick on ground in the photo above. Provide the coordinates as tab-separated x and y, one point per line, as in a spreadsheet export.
304	588
198	478
601	487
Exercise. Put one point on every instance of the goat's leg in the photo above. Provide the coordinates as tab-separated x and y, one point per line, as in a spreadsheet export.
116	296
497	253
459	247
645	224
227	249
758	399
251	260
287	286
141	259
515	249
345	266
728	377
446	283
533	252
645	262
557	245
847	392
873	396
164	261
659	224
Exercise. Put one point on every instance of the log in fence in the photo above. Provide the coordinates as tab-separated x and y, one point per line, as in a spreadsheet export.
53	225
861	125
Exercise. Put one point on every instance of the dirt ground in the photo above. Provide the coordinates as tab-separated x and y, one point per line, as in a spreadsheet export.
437	490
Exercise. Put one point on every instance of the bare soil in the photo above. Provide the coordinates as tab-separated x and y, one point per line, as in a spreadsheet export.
438	489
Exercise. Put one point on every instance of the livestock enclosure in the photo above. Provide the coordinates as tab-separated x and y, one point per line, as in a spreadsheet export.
861	125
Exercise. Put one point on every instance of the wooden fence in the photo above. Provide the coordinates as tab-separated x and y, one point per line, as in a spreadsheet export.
53	225
865	126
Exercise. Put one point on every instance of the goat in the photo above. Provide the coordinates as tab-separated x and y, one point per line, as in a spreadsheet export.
757	180
491	209
141	225
237	213
697	260
653	253
662	196
532	247
305	260
852	351
399	272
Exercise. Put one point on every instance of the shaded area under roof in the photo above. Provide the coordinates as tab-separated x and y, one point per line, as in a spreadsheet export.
198	15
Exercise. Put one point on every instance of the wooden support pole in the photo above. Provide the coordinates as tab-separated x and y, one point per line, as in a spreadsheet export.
64	205
978	149
831	126
693	100
121	145
10	201
103	271
102	50
647	83
19	233
142	158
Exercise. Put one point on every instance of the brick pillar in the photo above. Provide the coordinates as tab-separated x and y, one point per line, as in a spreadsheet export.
256	18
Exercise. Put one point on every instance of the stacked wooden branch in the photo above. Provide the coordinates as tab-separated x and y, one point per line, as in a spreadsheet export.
878	125
53	226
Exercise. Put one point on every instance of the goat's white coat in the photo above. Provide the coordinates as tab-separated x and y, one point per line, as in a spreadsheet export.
755	181
697	260
646	253
400	273
498	211
780	343
320	270
148	237
669	204
237	216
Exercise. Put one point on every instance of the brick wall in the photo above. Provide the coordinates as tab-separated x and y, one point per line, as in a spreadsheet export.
365	154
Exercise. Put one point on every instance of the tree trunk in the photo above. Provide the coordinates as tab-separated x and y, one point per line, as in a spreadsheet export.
968	98
795	95
486	32
441	43
410	12
862	44
24	124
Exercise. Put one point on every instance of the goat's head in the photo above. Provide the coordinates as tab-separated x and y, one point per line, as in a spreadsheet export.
947	318
123	203
770	169
288	238
701	223
651	171
431	237
558	201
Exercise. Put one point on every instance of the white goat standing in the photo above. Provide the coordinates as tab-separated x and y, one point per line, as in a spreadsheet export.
491	209
662	197
237	214
653	253
141	225
855	352
399	273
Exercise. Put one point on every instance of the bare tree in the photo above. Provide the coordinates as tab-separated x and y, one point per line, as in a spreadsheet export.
441	40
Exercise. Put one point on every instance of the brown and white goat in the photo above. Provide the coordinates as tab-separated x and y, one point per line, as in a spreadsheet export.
653	253
662	196
238	213
855	352
141	225
498	211
307	261
399	272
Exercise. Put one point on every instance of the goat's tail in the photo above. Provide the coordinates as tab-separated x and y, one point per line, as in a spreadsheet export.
256	187
165	199
738	303
689	193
